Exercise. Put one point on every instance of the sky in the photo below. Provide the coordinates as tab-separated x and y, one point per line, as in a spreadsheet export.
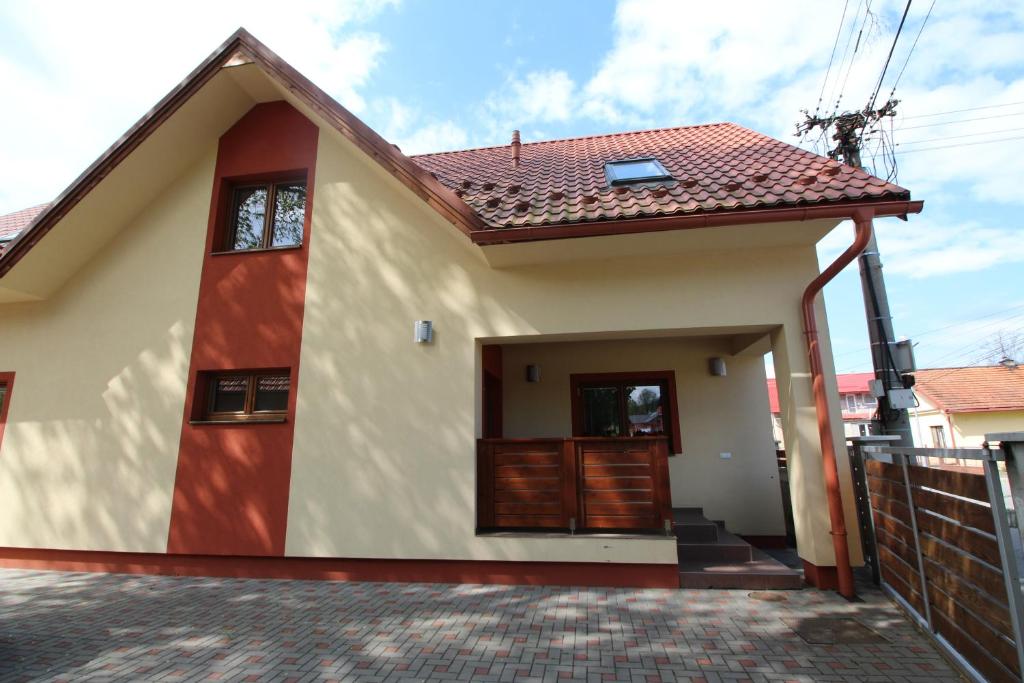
432	75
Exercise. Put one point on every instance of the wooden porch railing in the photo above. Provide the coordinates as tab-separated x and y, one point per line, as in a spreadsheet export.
578	483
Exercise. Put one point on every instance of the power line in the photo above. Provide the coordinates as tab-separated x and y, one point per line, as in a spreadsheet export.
914	45
957	137
961	111
988	327
962	144
950	123
835	44
885	68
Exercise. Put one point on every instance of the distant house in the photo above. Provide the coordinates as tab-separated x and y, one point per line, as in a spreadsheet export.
958	406
857	403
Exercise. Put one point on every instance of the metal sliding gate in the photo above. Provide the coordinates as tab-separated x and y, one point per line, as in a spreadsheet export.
940	542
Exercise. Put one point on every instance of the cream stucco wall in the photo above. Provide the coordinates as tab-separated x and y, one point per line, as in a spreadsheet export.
91	444
716	414
971	428
384	453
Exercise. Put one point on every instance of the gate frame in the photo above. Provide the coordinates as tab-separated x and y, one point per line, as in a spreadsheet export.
1011	451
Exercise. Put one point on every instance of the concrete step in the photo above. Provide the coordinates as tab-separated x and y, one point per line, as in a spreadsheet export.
687	513
761	572
720	551
698	532
752	575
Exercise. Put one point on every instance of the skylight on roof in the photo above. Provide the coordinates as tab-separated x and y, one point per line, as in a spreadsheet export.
635	171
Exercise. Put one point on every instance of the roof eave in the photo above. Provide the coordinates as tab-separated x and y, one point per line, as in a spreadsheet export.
901	208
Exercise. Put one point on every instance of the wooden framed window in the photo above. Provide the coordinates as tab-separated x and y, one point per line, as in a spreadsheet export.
246	395
266	215
626	404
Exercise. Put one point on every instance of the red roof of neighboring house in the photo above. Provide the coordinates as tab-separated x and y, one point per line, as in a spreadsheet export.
977	389
854	382
773	395
12	223
849	383
715	167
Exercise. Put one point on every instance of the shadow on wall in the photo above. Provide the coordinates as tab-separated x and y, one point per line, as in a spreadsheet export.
384	459
89	453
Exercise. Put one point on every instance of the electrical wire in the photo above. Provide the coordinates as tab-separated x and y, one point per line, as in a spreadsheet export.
914	45
962	144
957	137
961	111
950	123
885	68
835	44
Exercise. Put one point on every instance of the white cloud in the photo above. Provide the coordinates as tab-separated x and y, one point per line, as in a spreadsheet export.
924	248
538	97
84	72
414	132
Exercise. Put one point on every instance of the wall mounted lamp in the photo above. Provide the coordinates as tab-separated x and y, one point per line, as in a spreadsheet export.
716	366
532	373
423	331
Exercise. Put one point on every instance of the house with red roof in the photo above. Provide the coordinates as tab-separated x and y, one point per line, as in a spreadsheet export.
254	338
856	402
958	406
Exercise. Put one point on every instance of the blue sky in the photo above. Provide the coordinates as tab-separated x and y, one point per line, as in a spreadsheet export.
432	75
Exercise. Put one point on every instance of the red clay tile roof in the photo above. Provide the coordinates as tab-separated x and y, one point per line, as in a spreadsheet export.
968	390
715	167
13	223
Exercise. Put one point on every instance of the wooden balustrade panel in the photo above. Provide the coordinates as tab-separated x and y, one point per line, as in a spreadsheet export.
623	483
522	484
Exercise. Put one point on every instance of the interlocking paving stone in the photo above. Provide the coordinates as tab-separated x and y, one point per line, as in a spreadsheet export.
57	626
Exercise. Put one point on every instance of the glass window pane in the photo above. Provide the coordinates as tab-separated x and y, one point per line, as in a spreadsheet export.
229	394
644	409
271	393
250	209
620	172
601	411
289	213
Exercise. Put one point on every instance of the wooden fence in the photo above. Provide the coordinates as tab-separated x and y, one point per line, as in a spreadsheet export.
577	484
940	543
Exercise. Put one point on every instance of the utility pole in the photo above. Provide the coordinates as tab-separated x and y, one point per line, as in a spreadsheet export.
892	417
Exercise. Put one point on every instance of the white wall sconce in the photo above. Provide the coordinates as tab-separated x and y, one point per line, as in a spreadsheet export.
532	373
716	366
423	331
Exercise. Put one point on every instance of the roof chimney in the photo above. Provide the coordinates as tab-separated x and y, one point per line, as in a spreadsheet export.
516	145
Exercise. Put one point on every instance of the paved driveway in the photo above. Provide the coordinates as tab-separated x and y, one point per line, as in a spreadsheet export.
97	627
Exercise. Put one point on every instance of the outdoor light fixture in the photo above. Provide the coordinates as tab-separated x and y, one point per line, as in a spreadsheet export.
532	373
423	331
716	366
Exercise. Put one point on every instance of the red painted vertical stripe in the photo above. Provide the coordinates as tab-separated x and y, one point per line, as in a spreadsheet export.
7	380
232	483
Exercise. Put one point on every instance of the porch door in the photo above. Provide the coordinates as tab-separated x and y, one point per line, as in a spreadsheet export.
623	423
626	404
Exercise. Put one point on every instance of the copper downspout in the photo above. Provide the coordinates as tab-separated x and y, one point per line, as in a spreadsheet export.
844	573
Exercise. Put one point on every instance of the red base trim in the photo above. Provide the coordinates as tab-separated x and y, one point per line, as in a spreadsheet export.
772	542
823	578
344	569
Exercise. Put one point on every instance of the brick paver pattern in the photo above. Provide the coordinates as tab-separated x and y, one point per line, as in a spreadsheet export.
57	626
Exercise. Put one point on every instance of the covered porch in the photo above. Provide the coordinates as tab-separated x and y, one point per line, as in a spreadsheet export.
660	434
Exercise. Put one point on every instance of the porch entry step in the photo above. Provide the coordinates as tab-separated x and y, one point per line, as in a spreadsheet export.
712	557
